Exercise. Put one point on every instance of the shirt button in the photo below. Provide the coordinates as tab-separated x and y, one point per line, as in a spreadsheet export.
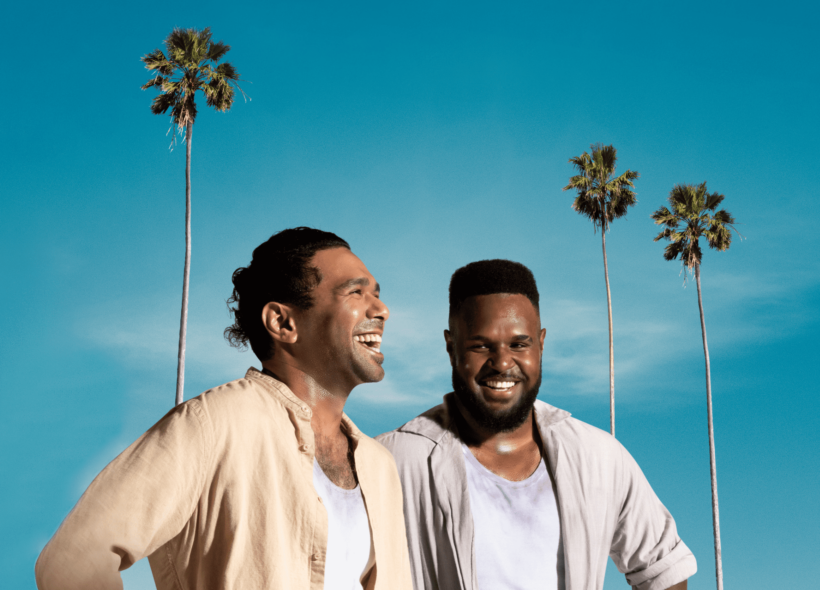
320	500
314	557
304	448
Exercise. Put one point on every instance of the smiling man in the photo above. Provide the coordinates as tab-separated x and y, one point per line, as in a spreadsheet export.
502	491
263	482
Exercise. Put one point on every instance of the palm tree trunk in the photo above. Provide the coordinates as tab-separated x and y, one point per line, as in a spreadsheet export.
712	466
611	348
183	321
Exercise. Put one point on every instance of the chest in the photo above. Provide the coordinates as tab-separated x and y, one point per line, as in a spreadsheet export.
335	457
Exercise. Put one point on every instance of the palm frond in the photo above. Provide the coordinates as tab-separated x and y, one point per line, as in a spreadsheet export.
219	94
673	250
581	183
217	51
155	81
713	201
723	216
227	71
163	102
607	155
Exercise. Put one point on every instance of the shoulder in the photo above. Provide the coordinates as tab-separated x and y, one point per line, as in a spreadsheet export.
592	452
571	433
586	435
418	437
241	401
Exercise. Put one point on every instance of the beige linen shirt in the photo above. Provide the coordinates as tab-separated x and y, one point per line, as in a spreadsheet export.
605	505
219	495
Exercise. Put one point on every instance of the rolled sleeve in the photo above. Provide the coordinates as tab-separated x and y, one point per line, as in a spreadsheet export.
646	546
675	567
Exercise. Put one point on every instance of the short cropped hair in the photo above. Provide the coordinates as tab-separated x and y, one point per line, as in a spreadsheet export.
488	277
279	271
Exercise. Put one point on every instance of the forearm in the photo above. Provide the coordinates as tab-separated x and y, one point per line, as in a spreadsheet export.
679	586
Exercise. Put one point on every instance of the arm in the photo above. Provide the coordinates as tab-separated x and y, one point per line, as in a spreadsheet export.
646	546
137	503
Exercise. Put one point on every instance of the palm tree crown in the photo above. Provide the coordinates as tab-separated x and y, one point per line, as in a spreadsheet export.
191	65
601	197
693	214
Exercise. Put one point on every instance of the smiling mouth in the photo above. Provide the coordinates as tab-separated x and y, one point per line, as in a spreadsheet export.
499	385
372	342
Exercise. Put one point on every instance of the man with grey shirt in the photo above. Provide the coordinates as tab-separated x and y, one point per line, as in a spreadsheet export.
502	491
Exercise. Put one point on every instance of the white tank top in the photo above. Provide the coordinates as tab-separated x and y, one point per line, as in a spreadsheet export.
348	535
517	531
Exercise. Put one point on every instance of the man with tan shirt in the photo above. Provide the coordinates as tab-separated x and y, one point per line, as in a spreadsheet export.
505	492
262	482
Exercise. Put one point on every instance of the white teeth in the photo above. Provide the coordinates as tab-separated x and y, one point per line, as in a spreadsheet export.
500	384
375	339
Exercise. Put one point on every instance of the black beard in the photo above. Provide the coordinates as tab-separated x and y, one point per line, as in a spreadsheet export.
489	419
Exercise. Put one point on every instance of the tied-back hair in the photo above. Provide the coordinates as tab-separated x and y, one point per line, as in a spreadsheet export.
279	271
488	277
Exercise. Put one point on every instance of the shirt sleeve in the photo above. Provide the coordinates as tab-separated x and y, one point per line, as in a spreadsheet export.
141	500
646	546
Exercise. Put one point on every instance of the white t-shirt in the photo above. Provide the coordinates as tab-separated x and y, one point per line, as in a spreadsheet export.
517	531
348	535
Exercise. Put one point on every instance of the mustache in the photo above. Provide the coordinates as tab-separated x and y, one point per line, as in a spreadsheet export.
368	325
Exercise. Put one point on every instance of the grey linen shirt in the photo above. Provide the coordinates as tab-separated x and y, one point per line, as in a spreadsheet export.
606	506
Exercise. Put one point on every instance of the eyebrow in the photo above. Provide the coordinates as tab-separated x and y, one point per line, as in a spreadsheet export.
360	282
519	338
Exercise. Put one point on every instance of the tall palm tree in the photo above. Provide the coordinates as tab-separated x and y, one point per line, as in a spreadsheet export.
603	198
191	65
694	214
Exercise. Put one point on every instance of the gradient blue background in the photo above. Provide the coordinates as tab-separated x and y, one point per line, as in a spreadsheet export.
428	135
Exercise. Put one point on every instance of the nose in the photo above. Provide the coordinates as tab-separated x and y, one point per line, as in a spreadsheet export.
501	359
378	309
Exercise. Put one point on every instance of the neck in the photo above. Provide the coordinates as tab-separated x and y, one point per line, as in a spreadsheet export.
513	455
326	405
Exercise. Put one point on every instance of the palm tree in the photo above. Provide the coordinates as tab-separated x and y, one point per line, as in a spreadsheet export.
694	214
603	199
191	65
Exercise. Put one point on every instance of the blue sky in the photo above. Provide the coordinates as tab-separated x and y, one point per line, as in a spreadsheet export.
428	135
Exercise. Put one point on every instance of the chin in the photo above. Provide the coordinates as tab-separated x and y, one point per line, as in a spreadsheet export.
490	419
368	371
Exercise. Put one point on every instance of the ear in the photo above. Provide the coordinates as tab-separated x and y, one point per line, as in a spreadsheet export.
448	339
279	322
543	334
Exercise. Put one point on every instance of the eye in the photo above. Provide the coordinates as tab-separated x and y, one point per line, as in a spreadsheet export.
356	292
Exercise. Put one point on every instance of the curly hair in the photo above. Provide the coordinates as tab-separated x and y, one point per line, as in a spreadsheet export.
487	277
279	271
